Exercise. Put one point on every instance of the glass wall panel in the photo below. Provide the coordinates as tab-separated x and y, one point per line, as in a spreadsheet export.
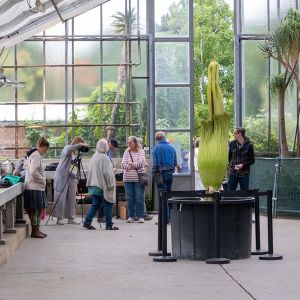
84	84
171	18
86	80
255	20
7	113
7	93
172	108
58	29
110	74
8	57
33	90
139	57
55	84
142	15
87	52
172	62
274	138
273	14
291	116
255	95
285	5
140	95
31	112
181	142
55	114
55	53
80	22
30	53
113	52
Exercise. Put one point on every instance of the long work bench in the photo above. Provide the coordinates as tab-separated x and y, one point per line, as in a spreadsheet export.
11	209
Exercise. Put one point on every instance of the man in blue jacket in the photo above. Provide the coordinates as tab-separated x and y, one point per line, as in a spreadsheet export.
164	161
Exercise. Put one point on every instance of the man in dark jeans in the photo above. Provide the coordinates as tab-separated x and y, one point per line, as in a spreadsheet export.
240	157
164	160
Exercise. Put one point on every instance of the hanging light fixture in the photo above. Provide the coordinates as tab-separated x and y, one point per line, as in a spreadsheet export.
40	6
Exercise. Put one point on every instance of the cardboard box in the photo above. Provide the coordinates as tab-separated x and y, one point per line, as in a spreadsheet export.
123	211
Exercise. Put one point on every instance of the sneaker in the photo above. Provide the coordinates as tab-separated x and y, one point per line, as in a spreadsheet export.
141	220
130	220
148	217
111	228
74	222
60	221
88	226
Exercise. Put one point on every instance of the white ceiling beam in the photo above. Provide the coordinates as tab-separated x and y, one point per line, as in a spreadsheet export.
47	20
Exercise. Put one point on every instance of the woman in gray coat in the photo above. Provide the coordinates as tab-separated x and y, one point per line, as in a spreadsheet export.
101	184
65	184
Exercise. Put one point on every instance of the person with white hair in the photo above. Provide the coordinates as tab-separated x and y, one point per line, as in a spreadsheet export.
101	184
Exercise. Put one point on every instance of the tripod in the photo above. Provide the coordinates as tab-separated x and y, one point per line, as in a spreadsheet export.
77	162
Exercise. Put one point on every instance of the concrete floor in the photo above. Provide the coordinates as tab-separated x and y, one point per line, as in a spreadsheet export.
73	263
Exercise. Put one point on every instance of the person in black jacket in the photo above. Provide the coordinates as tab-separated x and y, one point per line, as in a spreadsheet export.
240	157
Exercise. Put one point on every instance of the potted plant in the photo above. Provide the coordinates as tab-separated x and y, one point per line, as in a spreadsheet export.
193	221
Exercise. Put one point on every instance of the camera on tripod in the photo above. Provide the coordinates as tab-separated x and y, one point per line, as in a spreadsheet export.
83	148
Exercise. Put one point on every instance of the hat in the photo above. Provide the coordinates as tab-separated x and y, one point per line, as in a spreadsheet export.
114	143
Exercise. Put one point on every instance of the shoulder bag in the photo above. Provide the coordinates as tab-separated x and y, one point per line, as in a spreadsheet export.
143	177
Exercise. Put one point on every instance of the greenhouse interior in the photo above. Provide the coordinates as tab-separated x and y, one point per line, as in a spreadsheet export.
196	91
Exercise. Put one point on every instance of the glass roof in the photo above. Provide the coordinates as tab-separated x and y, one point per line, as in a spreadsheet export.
21	19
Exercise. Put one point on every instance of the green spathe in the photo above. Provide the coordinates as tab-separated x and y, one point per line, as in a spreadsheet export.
213	148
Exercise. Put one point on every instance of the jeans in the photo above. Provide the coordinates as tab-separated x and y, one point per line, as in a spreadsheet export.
97	202
234	180
135	196
167	186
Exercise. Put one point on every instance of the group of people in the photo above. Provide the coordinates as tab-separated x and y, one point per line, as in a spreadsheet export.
101	178
100	181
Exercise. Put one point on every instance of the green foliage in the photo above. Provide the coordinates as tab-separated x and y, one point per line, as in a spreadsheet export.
148	202
257	130
213	40
283	45
175	22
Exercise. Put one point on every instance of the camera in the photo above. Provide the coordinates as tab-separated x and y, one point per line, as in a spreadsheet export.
83	148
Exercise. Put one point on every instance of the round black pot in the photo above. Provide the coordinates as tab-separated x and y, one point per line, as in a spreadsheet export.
192	228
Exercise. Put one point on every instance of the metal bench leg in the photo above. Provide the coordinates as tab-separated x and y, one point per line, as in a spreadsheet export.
20	210
10	215
2	240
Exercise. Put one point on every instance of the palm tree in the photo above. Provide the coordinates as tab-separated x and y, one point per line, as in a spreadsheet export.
123	24
278	86
283	45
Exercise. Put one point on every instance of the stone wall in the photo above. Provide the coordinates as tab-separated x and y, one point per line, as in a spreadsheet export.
7	140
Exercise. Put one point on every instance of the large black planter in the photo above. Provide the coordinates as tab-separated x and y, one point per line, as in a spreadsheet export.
192	228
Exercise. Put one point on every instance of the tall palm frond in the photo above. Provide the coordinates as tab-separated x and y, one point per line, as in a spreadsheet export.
122	24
